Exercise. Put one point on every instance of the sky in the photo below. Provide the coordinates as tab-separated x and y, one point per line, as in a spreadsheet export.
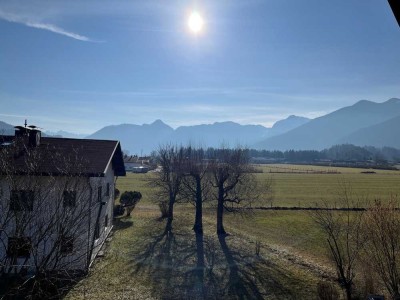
82	65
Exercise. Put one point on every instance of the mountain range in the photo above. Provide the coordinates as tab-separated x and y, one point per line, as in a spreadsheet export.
6	129
65	134
357	124
148	137
365	123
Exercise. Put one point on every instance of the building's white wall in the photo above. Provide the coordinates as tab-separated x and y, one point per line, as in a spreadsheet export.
136	167
41	224
105	209
48	203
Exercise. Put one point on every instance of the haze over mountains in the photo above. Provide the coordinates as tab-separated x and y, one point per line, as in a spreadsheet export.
66	134
385	133
341	126
365	123
147	137
6	129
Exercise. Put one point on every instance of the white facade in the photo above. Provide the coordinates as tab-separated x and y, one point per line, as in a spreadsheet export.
66	224
136	167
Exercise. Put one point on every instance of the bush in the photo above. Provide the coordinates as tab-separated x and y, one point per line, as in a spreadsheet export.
118	210
129	200
116	193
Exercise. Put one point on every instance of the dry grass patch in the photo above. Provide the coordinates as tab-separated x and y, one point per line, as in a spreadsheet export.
144	263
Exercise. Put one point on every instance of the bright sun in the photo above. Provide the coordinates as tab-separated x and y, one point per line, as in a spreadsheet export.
195	22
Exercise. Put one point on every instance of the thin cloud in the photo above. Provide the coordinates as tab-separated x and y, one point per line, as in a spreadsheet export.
49	27
58	30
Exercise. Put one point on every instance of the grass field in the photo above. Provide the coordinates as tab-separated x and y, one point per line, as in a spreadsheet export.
304	189
142	263
320	169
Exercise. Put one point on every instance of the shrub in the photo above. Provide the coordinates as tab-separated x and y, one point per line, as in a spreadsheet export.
118	210
116	193
129	200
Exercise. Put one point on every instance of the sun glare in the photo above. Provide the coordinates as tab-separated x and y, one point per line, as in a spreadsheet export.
195	22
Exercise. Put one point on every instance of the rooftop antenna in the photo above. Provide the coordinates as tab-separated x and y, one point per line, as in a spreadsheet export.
26	123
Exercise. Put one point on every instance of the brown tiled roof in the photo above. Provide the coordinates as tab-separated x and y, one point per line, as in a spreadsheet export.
59	156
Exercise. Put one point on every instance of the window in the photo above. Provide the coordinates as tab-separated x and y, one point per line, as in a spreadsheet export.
21	200
99	191
106	221
67	245
108	189
69	198
19	247
97	231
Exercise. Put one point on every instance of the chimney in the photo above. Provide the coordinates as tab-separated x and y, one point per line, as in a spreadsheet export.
22	133
34	137
30	135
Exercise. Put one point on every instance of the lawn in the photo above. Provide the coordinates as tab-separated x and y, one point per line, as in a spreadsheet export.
143	263
304	189
311	189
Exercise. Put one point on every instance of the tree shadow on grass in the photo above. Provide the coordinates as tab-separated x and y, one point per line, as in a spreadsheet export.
163	261
250	276
183	265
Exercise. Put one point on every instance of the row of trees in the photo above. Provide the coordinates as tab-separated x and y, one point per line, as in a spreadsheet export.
198	175
345	152
363	241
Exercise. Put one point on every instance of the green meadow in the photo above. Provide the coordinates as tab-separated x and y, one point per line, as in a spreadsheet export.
268	254
304	185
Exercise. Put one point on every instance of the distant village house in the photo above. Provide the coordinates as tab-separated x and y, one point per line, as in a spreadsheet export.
137	164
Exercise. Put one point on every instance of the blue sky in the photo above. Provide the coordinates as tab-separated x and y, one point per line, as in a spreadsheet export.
82	65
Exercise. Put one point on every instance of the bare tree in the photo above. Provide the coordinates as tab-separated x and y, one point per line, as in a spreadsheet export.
168	181
345	241
382	228
196	187
236	187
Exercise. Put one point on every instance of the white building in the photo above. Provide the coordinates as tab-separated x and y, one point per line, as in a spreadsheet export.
136	164
56	200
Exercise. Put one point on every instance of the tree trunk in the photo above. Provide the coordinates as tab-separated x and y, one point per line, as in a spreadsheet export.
396	295
198	222
168	227
220	211
348	291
